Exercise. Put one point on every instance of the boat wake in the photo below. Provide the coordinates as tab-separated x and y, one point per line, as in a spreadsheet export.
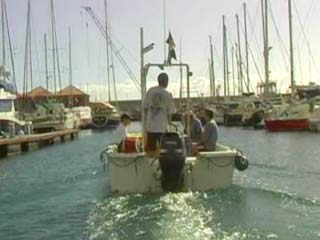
171	216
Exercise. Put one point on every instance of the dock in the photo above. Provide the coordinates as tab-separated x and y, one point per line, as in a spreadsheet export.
43	138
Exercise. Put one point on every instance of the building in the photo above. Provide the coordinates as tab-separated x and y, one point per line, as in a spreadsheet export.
71	96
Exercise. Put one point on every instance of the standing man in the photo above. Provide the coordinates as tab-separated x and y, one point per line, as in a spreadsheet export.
158	107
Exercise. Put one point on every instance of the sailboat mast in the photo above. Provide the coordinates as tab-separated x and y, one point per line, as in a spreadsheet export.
239	56
210	77
291	49
224	57
53	49
164	31
57	53
107	47
113	72
30	51
54	32
246	40
264	6
26	53
10	45
181	82
227	62
3	34
46	60
233	78
70	69
213	90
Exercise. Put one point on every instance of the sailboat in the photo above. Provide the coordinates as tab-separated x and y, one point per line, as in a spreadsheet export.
296	116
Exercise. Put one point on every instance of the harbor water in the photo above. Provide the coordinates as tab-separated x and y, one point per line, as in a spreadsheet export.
62	192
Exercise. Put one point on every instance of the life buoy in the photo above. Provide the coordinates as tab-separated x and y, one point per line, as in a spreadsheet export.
99	122
241	162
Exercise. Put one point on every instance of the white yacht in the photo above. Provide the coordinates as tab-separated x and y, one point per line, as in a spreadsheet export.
8	112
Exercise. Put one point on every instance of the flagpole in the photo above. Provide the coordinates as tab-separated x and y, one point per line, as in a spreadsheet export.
164	30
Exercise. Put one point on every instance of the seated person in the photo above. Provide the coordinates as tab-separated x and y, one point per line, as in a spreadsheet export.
121	132
195	127
210	134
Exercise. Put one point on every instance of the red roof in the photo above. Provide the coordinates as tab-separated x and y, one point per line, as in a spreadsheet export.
70	90
39	92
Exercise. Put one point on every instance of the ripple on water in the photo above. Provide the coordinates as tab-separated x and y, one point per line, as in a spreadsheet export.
170	216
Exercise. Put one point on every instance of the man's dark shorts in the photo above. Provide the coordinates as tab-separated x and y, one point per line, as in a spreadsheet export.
153	138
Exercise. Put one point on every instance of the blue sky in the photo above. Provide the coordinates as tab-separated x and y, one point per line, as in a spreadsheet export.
189	21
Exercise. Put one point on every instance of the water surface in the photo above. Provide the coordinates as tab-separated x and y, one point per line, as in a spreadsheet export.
62	192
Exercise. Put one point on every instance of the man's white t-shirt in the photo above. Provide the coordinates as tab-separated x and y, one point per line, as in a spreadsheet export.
160	105
119	134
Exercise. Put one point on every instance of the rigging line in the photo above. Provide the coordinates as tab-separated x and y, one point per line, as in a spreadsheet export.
32	30
282	45
300	66
113	72
253	58
218	57
81	20
122	46
255	17
57	49
308	16
257	48
305	37
10	47
113	47
217	36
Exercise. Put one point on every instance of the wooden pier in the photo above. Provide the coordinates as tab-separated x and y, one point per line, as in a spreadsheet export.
43	138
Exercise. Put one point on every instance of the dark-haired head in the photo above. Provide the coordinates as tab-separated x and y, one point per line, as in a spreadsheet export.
163	80
125	116
209	113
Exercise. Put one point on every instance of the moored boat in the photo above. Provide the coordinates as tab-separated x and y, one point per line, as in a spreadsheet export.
84	114
104	115
287	124
293	118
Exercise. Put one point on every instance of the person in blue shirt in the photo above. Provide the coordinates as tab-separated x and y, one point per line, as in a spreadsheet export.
210	134
195	127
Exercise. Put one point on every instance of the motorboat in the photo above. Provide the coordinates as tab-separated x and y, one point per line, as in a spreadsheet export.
10	124
172	167
137	172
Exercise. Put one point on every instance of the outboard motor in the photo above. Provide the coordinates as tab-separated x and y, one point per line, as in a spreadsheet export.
172	160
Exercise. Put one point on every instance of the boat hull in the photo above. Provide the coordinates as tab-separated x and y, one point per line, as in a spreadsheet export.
138	173
287	125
